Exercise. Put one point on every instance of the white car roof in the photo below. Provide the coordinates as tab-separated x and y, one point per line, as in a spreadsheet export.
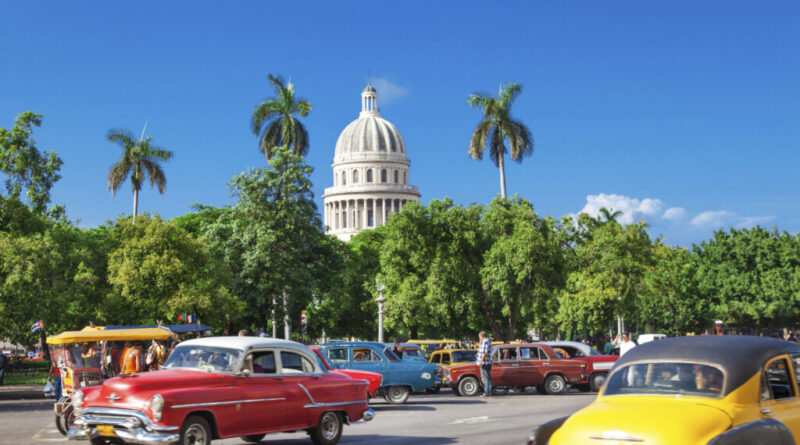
244	343
575	344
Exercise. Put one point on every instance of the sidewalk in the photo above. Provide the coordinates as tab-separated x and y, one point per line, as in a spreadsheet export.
22	392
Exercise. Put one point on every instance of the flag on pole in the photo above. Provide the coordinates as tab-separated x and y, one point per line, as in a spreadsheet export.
190	318
36	326
180	317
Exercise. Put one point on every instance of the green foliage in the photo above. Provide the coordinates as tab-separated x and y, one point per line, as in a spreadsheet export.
24	166
274	122
751	277
158	271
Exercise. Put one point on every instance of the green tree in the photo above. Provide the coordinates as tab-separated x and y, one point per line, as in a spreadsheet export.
498	126
272	238
606	278
158	271
24	166
523	269
274	122
751	276
140	159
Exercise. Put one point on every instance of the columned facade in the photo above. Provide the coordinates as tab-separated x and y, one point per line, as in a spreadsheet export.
370	174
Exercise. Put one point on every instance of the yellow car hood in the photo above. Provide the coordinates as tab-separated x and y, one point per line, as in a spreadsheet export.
628	420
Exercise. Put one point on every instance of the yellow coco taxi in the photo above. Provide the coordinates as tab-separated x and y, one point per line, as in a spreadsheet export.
705	390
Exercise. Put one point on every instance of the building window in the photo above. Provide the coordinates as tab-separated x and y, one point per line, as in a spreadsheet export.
396	180
370	219
405	178
344	178
344	220
369	175
355	176
383	175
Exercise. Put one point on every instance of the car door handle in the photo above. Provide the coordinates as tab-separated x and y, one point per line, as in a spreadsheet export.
766	411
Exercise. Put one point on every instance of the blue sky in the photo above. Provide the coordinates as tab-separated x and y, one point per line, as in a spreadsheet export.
684	114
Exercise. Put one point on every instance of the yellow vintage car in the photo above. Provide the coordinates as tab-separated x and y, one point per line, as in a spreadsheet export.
702	390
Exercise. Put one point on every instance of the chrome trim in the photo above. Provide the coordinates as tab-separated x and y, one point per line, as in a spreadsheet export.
94	416
326	405
232	402
307	393
616	436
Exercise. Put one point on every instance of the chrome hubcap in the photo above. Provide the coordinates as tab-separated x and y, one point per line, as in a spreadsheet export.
194	435
330	427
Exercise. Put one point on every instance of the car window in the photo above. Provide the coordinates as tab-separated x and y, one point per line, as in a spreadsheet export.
292	362
263	362
365	355
507	354
796	366
777	381
445	358
573	352
336	355
666	378
391	356
464	356
436	358
539	353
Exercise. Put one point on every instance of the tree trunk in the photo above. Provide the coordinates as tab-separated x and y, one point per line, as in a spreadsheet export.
274	323
135	204
287	329
501	166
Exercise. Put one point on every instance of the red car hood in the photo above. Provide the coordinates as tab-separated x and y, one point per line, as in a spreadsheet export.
134	392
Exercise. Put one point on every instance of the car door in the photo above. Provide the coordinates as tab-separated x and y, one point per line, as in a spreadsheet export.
505	366
263	404
573	370
302	386
366	359
531	363
779	399
338	357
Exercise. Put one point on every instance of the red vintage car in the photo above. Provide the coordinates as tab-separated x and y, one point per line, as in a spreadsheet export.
597	364
375	380
518	366
218	387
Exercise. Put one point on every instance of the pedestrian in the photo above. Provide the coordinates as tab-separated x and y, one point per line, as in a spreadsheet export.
155	356
132	359
485	363
3	365
397	348
55	374
608	348
243	333
624	343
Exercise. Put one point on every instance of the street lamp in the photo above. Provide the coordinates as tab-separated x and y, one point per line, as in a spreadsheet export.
380	301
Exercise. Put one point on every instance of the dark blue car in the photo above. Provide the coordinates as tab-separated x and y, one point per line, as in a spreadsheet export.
400	377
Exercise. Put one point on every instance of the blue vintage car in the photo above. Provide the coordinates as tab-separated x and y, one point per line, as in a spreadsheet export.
410	352
400	377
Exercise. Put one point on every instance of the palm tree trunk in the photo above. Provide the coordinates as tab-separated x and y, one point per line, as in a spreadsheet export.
287	329
135	204
501	166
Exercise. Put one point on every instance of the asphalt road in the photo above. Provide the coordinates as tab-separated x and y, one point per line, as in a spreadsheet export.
425	419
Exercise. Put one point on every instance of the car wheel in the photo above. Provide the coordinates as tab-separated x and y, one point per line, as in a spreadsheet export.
253	438
65	421
397	395
500	391
434	390
555	384
468	386
329	429
195	431
60	425
596	381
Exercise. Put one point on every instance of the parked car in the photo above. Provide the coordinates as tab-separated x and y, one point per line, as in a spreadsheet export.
644	338
400	377
597	364
709	390
218	387
446	358
518	366
375	380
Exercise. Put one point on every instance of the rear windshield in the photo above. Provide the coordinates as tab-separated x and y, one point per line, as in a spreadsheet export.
390	355
667	378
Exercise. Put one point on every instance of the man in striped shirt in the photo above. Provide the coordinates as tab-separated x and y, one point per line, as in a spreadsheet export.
485	363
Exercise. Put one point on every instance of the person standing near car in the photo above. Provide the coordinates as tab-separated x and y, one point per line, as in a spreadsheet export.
485	363
3	366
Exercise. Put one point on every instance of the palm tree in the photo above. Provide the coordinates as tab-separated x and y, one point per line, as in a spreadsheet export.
606	216
496	127
274	120
139	158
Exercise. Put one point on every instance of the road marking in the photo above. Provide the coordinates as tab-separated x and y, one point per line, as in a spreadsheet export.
470	420
49	429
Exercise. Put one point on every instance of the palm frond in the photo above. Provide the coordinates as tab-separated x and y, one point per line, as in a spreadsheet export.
520	141
477	143
277	83
301	142
117	175
156	175
497	148
508	93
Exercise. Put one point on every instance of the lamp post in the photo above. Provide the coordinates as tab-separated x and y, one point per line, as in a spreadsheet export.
380	301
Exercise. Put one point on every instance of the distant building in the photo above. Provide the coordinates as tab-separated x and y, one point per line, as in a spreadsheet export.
370	173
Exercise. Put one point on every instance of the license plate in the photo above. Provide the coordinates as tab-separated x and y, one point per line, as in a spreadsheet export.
105	430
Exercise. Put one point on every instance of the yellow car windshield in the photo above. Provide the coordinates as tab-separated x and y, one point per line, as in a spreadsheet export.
666	378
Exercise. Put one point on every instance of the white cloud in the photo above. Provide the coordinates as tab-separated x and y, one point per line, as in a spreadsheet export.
388	91
750	221
632	209
674	213
713	218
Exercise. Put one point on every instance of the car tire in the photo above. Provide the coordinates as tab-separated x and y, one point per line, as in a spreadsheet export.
65	422
253	438
397	395
329	429
555	384
100	440
195	431
596	381
500	391
469	386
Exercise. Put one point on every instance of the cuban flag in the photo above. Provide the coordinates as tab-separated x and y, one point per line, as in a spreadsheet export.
36	326
191	318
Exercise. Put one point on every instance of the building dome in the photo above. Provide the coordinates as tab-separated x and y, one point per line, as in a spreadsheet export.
370	137
370	173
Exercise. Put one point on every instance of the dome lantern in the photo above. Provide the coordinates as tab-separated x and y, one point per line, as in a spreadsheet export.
369	101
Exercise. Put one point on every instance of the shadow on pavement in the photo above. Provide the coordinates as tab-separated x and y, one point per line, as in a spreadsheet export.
368	438
26	405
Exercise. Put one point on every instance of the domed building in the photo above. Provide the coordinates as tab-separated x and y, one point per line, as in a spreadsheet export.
370	173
